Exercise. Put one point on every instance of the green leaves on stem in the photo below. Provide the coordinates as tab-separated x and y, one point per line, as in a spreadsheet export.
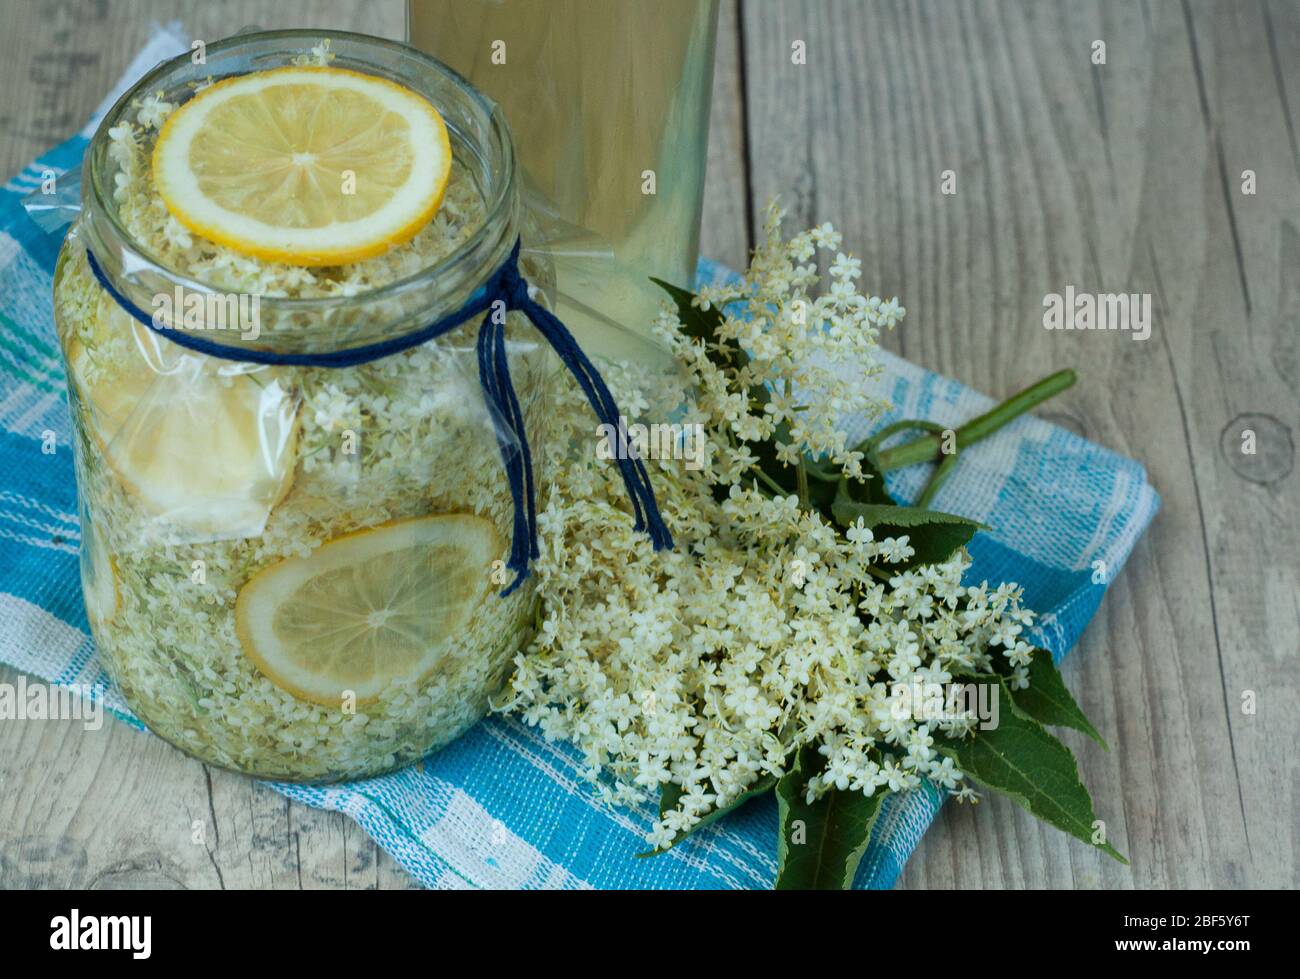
1047	700
1020	759
820	843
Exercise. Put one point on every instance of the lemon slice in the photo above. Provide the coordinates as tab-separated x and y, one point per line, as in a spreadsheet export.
368	608
98	578
205	447
305	165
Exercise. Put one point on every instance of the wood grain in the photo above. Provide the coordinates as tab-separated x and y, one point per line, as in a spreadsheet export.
1117	177
724	227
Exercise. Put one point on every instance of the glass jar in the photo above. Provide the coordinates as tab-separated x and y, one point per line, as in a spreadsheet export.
297	571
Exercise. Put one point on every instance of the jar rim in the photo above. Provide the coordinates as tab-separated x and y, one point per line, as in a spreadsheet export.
464	264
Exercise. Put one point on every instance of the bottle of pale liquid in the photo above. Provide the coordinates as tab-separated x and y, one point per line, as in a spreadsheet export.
608	101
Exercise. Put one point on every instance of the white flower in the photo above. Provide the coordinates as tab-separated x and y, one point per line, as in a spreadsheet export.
859	533
846	267
321	53
661	837
1022	654
825	236
153	111
890	313
895	549
945	773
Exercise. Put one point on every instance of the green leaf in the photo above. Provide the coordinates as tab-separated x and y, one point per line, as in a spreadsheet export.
671	794
1047	700
932	534
1020	759
698	324
819	846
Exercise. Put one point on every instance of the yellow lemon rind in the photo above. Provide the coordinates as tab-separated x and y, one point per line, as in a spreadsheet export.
303	257
250	594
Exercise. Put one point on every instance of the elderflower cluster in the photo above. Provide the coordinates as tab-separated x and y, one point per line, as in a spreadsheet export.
767	629
792	341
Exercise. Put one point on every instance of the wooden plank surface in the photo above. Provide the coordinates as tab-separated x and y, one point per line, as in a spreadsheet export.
1117	177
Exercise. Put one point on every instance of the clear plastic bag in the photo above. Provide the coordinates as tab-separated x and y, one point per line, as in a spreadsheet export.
55	206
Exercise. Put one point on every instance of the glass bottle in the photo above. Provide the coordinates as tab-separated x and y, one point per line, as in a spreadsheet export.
609	104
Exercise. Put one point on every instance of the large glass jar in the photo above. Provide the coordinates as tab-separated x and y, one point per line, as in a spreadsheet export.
296	571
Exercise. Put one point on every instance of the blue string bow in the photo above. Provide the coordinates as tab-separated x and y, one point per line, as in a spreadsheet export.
507	286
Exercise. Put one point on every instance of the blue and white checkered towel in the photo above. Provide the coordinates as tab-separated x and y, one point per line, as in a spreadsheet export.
502	807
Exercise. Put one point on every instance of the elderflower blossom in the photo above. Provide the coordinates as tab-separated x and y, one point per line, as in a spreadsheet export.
766	630
792	342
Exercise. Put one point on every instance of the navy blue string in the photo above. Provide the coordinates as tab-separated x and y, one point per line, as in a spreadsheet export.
507	286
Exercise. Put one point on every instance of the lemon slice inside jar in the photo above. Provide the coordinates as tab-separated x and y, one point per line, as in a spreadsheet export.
201	446
304	165
98	578
368	608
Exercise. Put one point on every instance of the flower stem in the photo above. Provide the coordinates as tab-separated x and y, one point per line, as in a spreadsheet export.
941	473
926	448
772	484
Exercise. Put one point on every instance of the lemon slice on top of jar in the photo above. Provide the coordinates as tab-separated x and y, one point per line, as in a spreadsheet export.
372	607
304	165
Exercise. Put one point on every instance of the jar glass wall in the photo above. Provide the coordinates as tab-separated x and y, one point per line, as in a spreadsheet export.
295	571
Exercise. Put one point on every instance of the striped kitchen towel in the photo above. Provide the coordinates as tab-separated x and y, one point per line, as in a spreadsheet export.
502	807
